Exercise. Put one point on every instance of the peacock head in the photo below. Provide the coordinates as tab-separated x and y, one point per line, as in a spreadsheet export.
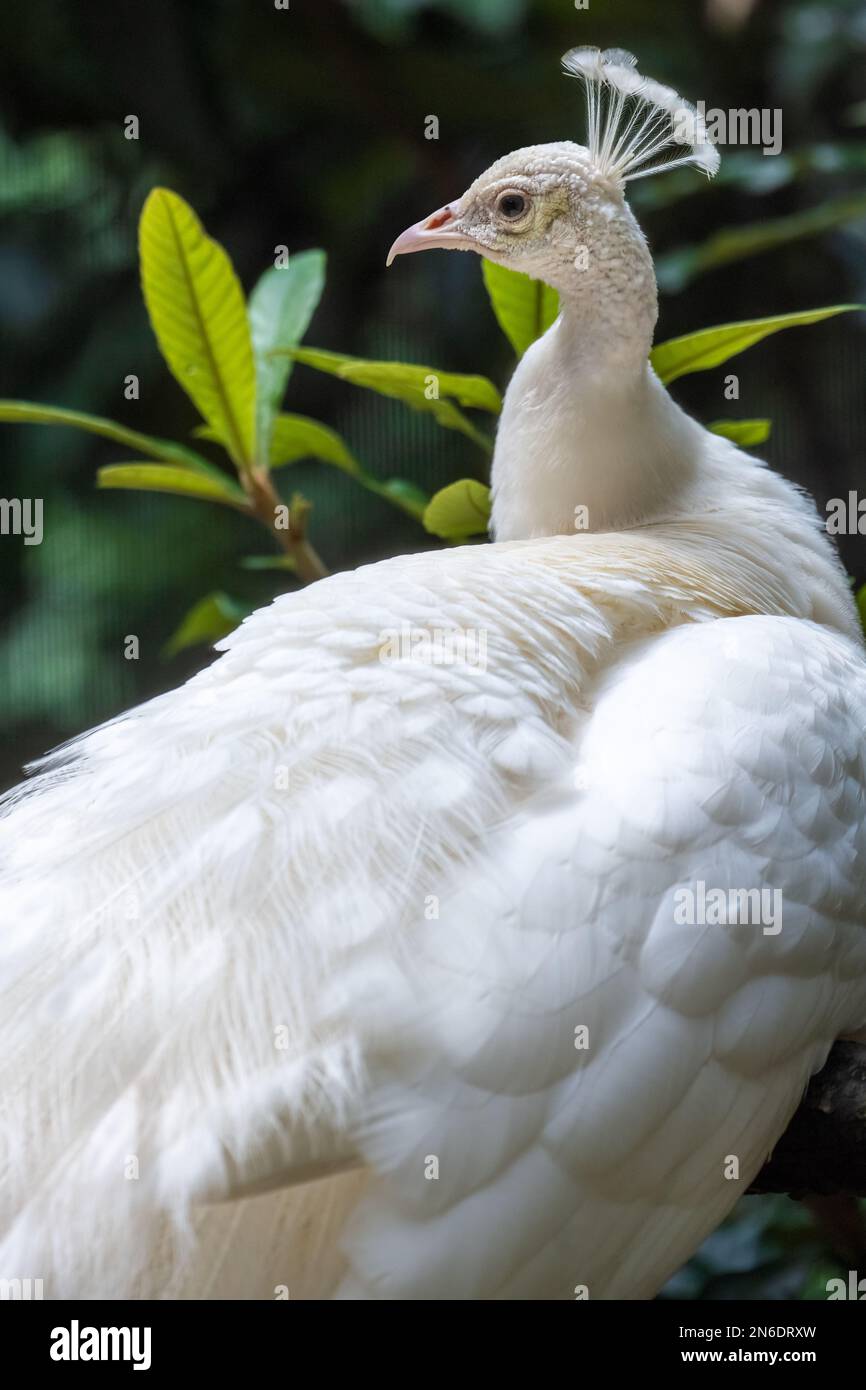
554	210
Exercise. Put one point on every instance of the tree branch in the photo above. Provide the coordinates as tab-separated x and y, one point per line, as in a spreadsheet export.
264	503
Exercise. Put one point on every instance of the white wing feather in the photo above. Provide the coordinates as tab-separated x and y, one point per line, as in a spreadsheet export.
219	973
729	752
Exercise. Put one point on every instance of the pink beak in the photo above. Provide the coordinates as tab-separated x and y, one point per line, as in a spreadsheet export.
435	230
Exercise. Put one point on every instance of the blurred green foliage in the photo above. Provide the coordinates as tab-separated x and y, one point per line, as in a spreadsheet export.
306	127
234	360
769	1248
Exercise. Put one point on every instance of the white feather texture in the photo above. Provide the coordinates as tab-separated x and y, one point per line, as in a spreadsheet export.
219	973
636	126
354	965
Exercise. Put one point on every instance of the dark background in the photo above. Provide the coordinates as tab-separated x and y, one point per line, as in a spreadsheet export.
306	127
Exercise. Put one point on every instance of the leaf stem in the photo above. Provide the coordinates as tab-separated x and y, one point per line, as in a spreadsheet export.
264	501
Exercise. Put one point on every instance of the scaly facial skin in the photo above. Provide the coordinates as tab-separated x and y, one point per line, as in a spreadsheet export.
528	204
514	211
544	210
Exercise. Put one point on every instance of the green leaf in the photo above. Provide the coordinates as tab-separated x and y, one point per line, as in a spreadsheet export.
422	388
458	511
269	562
296	437
524	308
709	347
208	620
407	496
27	413
861	605
280	308
162	477
404	380
746	433
199	317
679	267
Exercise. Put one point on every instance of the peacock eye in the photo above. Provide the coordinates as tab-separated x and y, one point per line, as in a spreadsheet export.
511	204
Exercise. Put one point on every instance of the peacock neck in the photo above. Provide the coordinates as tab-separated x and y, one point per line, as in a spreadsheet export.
589	440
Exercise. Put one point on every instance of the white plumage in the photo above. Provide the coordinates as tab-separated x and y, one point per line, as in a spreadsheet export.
296	959
636	126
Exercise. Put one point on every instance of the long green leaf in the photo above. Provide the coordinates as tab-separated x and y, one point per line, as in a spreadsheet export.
404	380
199	318
422	388
410	498
27	413
459	510
746	433
270	562
677	268
280	308
213	617
296	437
524	308
710	347
162	477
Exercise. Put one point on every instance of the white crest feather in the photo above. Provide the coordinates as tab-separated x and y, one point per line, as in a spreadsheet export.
637	126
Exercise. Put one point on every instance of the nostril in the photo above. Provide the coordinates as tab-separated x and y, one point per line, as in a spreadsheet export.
439	219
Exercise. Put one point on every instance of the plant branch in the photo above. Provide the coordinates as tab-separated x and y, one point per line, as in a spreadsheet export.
264	502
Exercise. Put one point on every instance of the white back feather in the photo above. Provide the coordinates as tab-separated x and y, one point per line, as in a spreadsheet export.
637	126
